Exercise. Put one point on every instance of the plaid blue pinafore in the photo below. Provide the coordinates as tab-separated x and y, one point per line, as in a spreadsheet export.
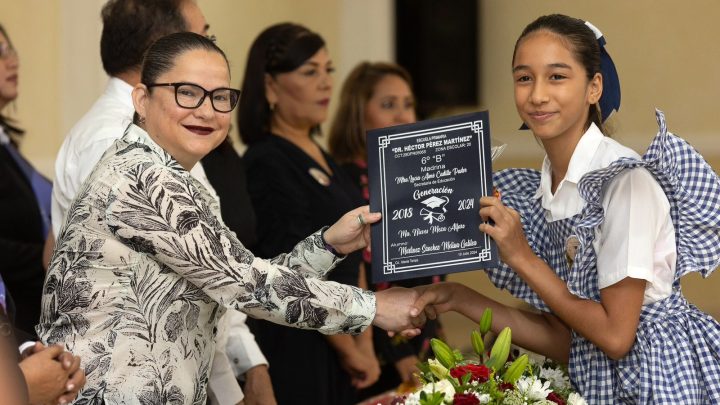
676	355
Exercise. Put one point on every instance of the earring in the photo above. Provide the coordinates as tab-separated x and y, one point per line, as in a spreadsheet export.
141	120
272	107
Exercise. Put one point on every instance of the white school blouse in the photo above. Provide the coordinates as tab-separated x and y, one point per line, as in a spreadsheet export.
637	238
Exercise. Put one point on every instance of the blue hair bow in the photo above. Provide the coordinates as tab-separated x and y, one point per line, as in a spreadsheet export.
610	99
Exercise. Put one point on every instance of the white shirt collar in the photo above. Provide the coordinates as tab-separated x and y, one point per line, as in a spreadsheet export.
566	200
580	162
120	90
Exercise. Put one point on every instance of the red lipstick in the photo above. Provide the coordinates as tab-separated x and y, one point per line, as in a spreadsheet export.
199	130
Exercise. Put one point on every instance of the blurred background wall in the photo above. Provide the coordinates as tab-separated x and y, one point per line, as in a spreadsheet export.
59	46
665	51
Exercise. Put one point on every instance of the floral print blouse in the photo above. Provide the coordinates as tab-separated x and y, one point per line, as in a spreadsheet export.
144	266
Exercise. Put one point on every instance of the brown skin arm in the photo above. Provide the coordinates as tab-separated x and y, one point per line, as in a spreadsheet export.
610	324
258	389
541	333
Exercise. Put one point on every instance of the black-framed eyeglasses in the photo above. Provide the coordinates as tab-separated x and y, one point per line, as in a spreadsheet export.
190	95
7	51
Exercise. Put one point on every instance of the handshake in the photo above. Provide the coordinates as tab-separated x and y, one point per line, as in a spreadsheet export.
405	310
397	310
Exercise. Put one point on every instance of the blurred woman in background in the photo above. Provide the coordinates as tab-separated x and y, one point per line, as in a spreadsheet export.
25	203
50	374
378	95
295	188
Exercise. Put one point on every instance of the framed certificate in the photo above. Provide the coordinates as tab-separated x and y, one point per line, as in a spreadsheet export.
426	179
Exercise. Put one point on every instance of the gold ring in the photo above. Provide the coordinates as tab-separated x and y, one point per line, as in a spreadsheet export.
361	220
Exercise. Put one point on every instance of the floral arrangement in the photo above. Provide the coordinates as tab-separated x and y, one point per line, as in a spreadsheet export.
449	378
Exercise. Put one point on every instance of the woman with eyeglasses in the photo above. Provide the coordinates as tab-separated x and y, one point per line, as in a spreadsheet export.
144	265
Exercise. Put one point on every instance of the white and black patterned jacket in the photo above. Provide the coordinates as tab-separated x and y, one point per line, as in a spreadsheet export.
143	267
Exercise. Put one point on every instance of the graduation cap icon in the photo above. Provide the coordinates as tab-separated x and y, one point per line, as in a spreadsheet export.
436	202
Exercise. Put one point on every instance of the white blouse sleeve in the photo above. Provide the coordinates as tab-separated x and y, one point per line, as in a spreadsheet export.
636	216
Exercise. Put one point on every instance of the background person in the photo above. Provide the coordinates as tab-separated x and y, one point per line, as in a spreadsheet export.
379	95
225	171
295	188
25	203
47	374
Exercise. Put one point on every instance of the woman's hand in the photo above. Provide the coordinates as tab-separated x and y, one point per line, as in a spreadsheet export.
352	231
506	231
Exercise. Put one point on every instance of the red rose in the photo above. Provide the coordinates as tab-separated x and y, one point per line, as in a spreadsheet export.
504	386
465	399
555	398
478	373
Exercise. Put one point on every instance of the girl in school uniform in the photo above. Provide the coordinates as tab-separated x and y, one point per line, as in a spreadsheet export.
599	238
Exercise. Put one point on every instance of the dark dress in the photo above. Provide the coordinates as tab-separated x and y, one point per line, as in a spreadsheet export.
21	243
290	200
225	170
390	350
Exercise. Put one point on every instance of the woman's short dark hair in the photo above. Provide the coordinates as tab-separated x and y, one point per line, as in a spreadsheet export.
161	56
580	41
6	123
281	48
347	138
131	26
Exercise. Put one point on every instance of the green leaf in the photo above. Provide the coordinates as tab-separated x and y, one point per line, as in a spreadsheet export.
436	398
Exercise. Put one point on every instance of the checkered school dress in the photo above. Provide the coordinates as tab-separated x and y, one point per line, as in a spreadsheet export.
676	355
